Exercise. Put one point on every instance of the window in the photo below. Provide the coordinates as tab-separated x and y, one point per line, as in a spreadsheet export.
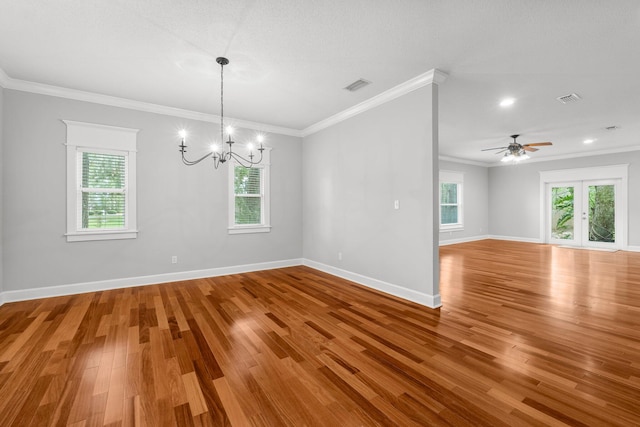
249	197
101	181
451	212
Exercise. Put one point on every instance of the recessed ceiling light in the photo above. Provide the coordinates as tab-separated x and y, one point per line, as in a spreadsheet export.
588	141
507	102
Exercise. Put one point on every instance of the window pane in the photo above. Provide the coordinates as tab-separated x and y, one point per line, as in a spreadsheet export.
247	181
248	210
102	210
448	193
562	213
103	170
602	213
448	214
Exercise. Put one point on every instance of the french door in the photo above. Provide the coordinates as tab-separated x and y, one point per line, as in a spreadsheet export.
584	213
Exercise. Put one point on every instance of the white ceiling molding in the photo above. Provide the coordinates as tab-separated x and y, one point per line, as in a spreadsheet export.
464	161
571	156
78	95
433	76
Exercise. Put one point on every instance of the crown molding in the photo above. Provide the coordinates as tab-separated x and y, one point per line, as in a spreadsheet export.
113	101
433	76
572	155
464	161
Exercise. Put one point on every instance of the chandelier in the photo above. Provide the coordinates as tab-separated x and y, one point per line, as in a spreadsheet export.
218	153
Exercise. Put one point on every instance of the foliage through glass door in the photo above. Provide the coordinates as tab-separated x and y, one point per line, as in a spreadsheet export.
599	211
602	213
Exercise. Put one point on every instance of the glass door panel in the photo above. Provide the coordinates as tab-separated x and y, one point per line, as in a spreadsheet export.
600	214
564	217
583	213
562	212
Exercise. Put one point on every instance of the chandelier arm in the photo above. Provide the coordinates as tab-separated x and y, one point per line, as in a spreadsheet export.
194	162
216	162
246	163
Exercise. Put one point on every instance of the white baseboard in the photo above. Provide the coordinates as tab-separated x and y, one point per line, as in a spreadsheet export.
431	301
633	248
103	285
515	239
462	240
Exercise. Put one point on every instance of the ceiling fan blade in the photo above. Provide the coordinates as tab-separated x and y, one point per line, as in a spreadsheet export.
537	144
527	148
496	148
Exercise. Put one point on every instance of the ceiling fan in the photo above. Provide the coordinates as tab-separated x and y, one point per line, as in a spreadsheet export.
516	151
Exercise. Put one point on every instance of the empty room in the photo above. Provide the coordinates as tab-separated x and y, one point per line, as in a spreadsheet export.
319	213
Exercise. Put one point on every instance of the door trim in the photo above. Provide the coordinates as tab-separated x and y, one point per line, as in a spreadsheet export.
620	172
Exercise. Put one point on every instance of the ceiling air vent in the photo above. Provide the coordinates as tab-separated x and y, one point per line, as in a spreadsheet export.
611	128
358	84
567	99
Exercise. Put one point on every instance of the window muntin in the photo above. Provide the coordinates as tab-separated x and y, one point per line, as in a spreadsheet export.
451	207
102	203
249	194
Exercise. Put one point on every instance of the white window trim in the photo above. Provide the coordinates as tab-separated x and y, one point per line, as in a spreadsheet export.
100	138
265	226
452	177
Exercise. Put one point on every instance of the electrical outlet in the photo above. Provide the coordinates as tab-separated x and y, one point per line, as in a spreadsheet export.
174	259
396	204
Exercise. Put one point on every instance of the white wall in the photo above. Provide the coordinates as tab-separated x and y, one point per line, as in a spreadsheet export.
475	203
514	196
181	210
353	172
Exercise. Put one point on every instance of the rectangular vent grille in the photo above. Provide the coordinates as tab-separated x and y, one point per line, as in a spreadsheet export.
358	84
567	99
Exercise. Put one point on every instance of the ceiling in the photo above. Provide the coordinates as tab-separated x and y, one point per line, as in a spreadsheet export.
291	59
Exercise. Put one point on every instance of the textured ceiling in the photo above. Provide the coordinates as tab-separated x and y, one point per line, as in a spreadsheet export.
290	60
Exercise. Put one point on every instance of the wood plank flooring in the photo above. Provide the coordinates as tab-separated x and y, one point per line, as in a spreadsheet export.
527	335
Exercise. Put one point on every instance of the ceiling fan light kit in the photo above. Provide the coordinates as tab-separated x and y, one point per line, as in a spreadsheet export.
516	152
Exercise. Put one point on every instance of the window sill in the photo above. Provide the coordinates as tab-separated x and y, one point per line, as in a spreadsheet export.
456	227
250	229
101	235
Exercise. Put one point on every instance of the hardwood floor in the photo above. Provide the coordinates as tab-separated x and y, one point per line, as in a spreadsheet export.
527	335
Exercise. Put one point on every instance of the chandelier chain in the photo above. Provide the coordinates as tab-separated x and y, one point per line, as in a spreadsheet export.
222	104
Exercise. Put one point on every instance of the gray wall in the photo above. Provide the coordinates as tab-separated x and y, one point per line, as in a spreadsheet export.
475	203
181	210
514	198
1	187
353	172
